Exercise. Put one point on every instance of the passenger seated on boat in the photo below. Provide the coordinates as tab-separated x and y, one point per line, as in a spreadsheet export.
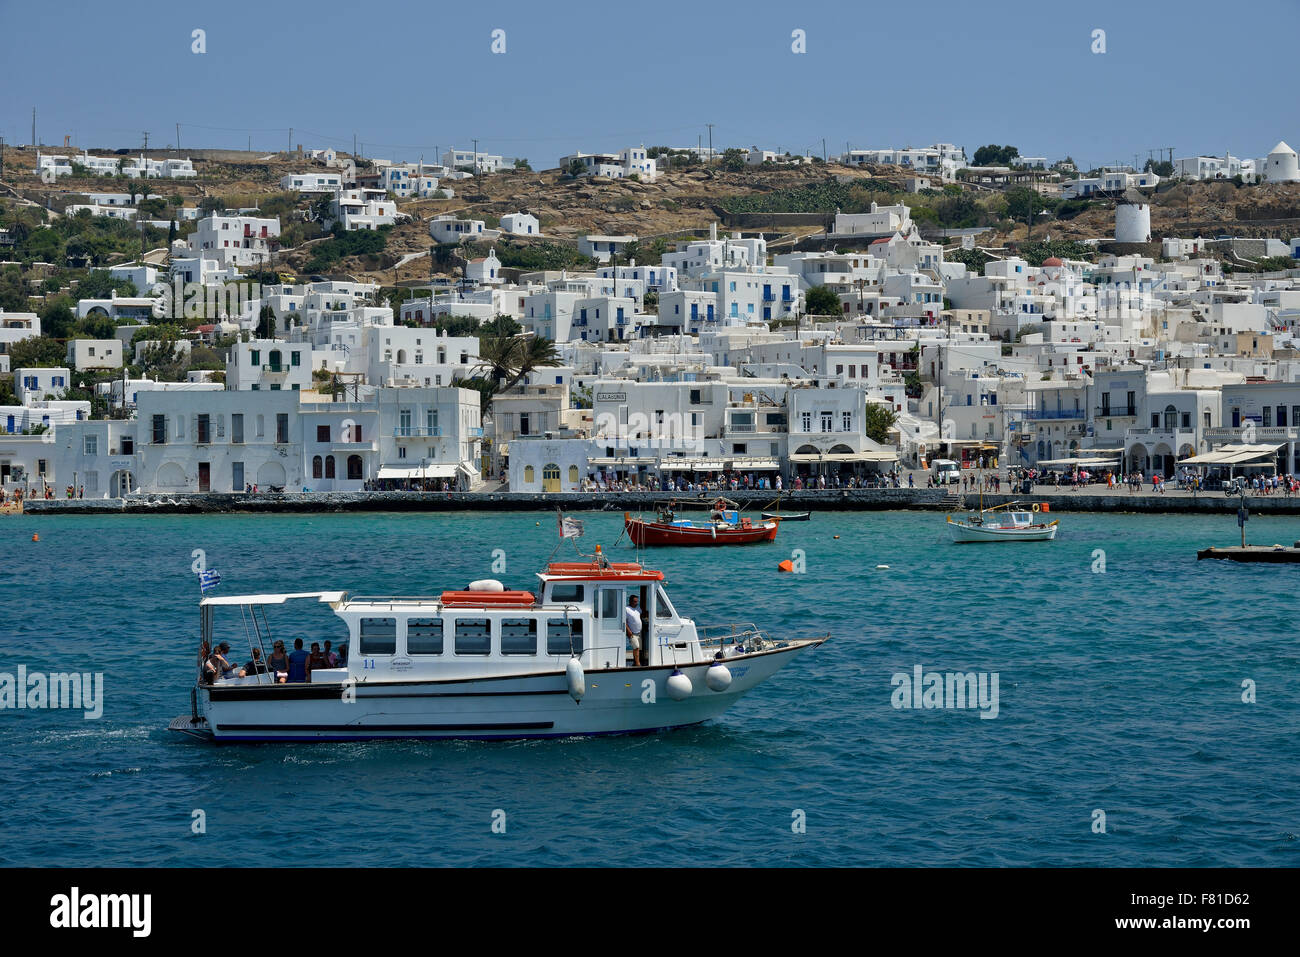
222	667
332	658
254	666
278	663
317	660
298	663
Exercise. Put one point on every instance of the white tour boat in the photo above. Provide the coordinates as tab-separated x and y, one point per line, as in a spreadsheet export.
488	663
1012	522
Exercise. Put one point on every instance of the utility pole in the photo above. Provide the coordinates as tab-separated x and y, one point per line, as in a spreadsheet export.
146	141
34	143
824	154
178	137
354	147
476	159
710	126
2	157
291	139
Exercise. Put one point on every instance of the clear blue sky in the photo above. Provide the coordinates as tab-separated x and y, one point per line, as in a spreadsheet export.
407	77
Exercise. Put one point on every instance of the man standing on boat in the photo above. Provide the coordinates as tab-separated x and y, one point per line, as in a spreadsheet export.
632	623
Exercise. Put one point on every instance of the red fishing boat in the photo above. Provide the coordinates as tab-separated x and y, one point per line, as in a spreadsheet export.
725	526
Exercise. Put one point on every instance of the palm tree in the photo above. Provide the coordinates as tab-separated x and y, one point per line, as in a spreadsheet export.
498	357
534	353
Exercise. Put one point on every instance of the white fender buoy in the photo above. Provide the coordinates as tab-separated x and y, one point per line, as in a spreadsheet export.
486	584
882	568
679	686
576	679
718	677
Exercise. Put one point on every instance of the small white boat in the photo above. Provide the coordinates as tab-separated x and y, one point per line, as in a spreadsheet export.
1013	522
486	662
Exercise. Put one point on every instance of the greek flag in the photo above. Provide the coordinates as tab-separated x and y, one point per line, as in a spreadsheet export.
569	527
209	579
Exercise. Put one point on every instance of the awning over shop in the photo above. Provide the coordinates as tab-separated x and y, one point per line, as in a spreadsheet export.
881	456
1086	463
1232	455
433	470
631	461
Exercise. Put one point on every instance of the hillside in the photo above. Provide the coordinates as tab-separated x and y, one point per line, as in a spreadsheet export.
680	202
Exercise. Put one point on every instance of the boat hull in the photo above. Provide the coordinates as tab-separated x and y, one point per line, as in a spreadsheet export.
968	534
656	533
617	701
788	516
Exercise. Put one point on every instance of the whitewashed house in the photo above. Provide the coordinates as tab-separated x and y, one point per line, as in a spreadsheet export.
269	365
312	182
87	354
449	229
602	248
363	209
480	162
236	240
521	224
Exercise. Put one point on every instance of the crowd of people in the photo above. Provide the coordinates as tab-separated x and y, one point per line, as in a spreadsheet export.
745	482
283	668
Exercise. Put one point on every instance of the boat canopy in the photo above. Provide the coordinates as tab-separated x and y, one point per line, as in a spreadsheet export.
592	570
326	597
1232	455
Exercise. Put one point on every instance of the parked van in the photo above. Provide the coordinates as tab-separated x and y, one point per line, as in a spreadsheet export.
945	471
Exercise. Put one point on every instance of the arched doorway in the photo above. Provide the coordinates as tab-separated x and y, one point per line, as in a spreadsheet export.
121	484
573	475
329	467
1163	460
271	473
550	477
1138	459
171	476
316	467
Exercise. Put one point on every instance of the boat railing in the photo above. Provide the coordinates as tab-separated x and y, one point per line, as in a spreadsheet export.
718	637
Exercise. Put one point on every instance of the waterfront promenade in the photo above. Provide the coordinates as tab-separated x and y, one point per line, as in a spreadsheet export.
1090	499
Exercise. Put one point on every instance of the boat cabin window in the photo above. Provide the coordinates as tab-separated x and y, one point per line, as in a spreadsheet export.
424	636
611	603
473	636
518	636
563	591
662	607
564	637
378	636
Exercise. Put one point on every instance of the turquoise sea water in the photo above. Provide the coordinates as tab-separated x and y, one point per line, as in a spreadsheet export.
1119	691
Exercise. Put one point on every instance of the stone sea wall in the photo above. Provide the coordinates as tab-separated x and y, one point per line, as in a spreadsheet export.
816	499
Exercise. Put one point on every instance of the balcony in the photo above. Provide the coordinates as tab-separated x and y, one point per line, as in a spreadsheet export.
1039	414
1117	411
275	370
769	297
416	432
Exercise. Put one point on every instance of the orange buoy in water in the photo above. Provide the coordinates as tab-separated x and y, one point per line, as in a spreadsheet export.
785	566
837	536
35	537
